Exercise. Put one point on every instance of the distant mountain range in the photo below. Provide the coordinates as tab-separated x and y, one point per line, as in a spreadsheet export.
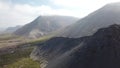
92	42
9	30
44	25
12	29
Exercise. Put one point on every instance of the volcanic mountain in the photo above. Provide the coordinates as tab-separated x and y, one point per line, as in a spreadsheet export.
101	50
44	25
103	17
89	43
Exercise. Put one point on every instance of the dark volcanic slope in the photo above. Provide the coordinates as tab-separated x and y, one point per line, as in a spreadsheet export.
102	50
105	16
44	25
55	47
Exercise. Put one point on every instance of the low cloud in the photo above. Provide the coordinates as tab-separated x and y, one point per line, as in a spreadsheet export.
82	7
20	14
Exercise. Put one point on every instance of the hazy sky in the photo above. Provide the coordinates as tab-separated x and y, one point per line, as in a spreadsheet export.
20	12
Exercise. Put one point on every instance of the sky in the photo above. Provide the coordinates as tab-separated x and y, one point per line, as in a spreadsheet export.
20	12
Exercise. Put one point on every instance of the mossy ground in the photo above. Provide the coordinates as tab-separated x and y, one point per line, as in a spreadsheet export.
18	59
24	63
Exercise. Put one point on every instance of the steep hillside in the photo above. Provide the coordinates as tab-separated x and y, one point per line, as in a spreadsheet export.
103	17
54	47
102	50
44	25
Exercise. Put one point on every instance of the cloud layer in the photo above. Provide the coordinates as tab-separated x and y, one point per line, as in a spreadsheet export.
19	14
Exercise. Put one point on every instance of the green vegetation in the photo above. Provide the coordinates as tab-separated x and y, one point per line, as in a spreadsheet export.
11	40
24	63
18	58
7	36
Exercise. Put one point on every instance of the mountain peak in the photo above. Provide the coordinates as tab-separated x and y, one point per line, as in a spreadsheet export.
43	25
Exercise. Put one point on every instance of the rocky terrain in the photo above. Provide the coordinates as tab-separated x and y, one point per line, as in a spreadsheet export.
100	50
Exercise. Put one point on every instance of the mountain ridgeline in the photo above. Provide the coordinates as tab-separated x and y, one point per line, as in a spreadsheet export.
101	50
44	25
103	17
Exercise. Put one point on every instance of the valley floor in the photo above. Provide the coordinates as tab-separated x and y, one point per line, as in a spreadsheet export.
15	52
